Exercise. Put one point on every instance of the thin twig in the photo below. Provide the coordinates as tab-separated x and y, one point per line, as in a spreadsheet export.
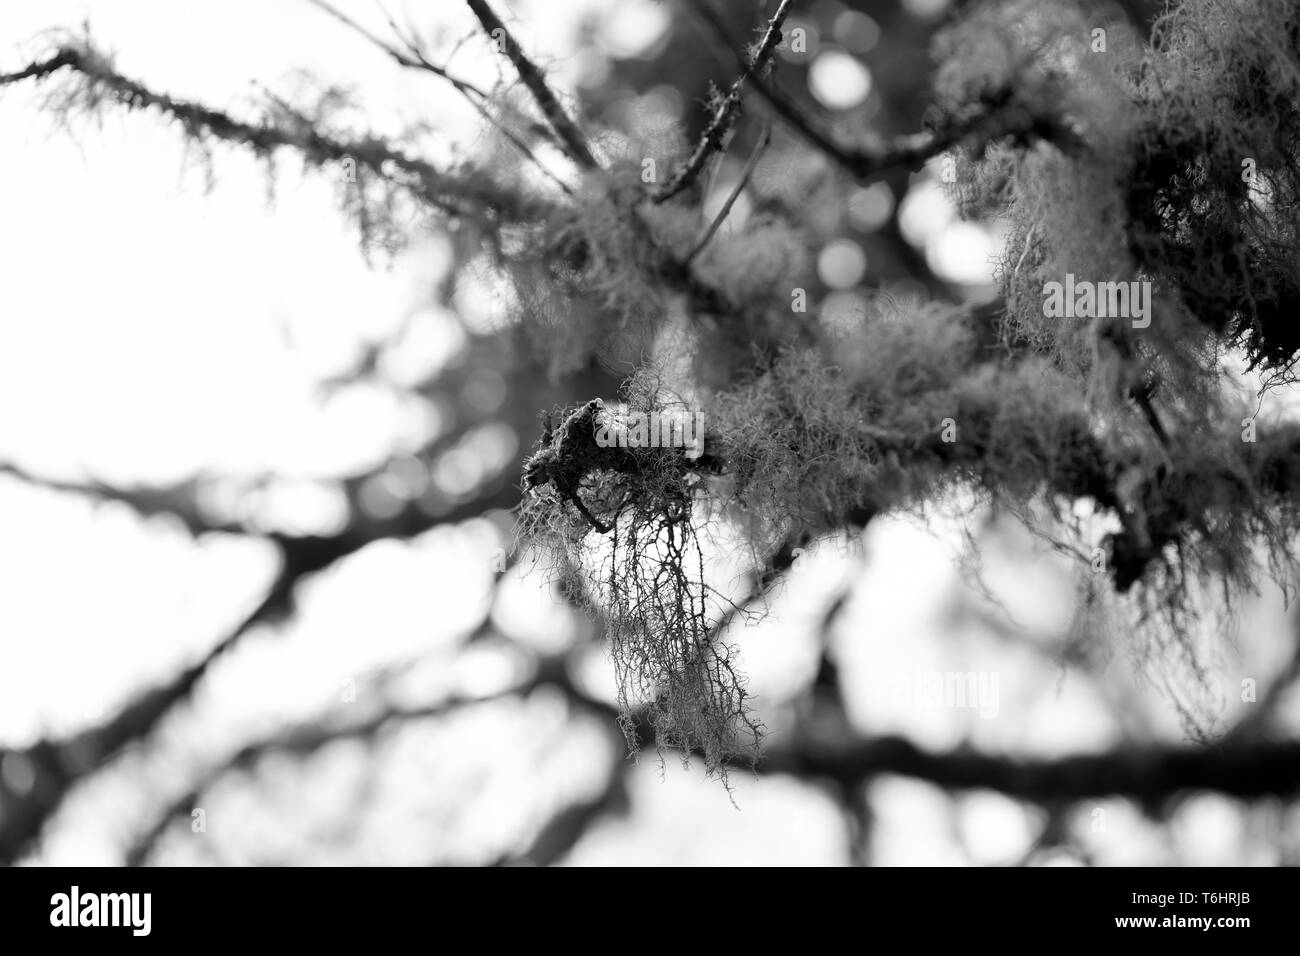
1001	116
763	142
43	68
300	741
711	141
573	139
439	189
414	58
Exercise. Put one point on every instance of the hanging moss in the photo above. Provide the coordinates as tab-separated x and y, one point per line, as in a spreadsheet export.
627	520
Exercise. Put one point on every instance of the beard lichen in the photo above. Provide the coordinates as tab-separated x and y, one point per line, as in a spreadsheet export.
628	522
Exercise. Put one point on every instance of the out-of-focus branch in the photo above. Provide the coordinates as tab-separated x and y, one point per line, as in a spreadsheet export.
414	58
1251	770
58	765
1143	773
1149	774
41	68
570	135
555	837
445	191
714	136
999	117
725	211
1256	721
470	193
53	767
411	58
298	741
569	825
178	501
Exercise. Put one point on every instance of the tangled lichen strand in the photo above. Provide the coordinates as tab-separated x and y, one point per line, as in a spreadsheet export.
668	662
583	280
1188	176
810	443
626	523
1145	183
1229	233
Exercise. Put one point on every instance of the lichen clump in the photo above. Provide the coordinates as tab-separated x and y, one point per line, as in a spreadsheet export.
626	520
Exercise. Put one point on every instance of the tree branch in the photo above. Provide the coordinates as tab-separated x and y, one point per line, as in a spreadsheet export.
1148	773
1000	116
42	68
55	766
58	765
573	139
414	58
442	190
178	501
724	115
496	201
299	741
725	211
